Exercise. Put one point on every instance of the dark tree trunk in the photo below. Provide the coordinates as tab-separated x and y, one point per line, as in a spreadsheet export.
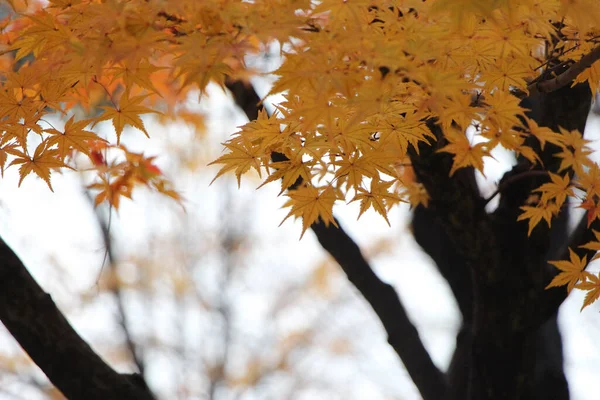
509	345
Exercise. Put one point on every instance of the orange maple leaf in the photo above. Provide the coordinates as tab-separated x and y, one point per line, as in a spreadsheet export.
42	162
127	113
535	214
73	137
558	189
592	285
593	245
572	271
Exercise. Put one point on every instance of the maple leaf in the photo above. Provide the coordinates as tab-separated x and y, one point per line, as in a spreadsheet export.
289	172
592	285
504	111
352	170
73	137
590	181
379	197
416	193
593	209
557	190
4	152
543	134
535	214
593	245
241	157
42	162
572	271
575	151
140	75
465	154
112	191
311	204
127	113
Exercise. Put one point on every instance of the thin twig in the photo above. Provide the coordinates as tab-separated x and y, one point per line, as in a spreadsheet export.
109	257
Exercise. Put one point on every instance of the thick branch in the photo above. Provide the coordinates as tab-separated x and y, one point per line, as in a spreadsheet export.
565	78
402	334
44	333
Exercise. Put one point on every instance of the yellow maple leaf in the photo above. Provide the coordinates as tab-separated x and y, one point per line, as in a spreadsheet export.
465	154
241	157
289	172
589	181
311	204
575	151
543	134
572	271
379	197
557	190
535	214
42	162
354	169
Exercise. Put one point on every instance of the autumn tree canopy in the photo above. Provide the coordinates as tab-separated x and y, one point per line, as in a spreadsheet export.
361	79
374	93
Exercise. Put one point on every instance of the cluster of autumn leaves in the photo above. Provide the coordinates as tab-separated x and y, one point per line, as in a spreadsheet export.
359	78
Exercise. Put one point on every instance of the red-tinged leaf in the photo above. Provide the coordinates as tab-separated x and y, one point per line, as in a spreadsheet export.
594	245
592	208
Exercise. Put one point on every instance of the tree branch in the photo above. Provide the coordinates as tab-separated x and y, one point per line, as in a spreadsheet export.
402	334
32	318
550	85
